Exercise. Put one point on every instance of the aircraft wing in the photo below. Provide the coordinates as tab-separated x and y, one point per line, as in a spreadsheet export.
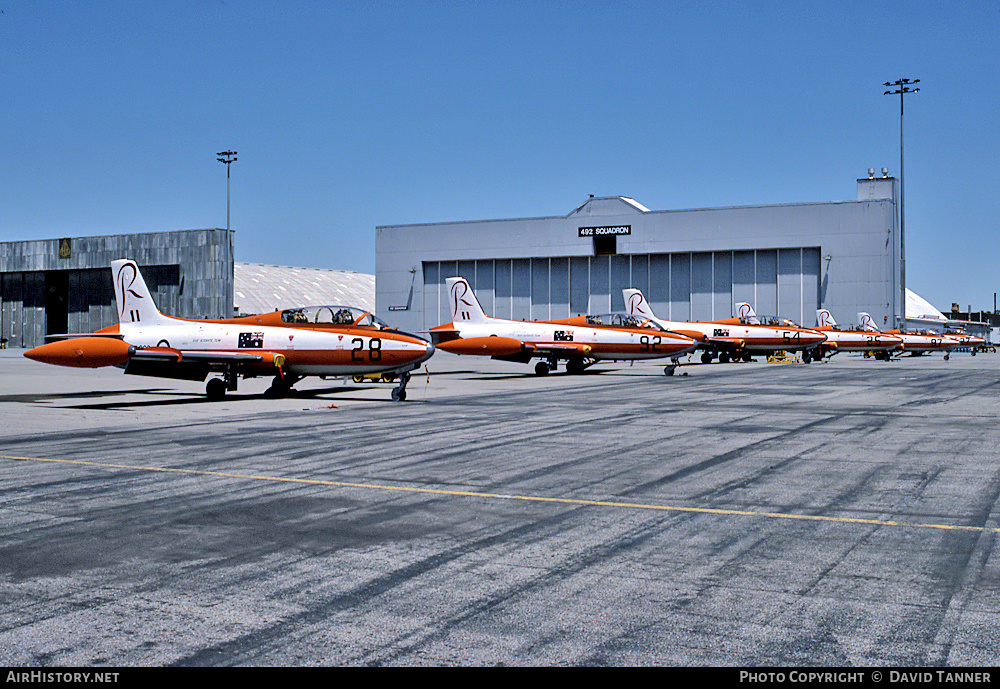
183	364
75	336
559	351
171	355
726	342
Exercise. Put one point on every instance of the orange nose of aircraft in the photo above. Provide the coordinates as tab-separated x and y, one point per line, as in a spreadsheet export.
82	352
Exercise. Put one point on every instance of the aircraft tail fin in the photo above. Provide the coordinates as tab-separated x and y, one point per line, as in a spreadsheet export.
744	310
824	318
465	308
636	304
134	300
867	322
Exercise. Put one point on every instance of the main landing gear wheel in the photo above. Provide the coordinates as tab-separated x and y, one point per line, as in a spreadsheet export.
706	357
575	366
281	386
399	392
542	369
215	389
806	356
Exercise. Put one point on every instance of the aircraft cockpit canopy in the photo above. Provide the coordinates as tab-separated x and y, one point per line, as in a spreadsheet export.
333	315
623	320
771	321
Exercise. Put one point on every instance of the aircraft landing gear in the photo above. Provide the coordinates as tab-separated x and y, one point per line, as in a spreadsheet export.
577	366
399	392
670	368
706	357
281	386
542	368
806	356
215	389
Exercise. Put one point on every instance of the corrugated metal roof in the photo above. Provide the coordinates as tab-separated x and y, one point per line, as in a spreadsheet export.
259	288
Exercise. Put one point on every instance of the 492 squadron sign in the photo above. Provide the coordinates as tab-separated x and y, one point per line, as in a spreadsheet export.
605	230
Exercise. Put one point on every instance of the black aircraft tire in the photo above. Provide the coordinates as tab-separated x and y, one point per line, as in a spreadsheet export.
215	389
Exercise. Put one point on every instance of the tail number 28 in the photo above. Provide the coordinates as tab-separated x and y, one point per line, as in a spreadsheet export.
374	349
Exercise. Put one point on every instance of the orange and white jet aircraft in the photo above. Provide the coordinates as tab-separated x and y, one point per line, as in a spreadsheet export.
973	342
580	341
734	338
853	339
290	345
914	344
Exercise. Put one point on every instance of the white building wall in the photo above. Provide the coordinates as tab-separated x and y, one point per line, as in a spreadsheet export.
786	260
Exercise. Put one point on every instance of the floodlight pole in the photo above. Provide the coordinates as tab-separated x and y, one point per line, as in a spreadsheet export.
227	157
903	86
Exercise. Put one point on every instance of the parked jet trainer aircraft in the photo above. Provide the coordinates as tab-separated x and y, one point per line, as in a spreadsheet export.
853	339
914	344
290	345
580	341
733	338
973	342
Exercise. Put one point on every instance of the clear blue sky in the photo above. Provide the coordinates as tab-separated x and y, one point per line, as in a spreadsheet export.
349	115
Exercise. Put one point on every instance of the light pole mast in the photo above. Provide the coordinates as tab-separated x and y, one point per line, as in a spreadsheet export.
227	157
903	86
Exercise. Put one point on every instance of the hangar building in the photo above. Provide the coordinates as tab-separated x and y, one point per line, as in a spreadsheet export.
65	285
786	260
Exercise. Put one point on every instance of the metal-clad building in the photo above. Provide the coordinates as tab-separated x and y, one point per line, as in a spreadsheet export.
260	288
787	259
64	285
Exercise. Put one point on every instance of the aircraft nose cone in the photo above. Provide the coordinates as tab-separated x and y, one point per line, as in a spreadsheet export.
428	353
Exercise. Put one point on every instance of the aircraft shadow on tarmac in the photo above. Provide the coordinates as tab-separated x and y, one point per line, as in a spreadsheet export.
34	397
177	397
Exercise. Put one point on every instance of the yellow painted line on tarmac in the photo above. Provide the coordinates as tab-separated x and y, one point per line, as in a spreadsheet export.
501	496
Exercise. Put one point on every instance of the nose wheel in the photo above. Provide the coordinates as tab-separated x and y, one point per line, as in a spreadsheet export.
399	392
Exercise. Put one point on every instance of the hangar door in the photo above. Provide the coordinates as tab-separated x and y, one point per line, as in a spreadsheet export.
682	286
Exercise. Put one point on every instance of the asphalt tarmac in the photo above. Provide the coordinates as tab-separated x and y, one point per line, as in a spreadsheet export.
842	513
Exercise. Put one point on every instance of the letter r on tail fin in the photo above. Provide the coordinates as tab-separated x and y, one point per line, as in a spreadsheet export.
824	317
636	304
867	322
744	310
135	303
465	308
